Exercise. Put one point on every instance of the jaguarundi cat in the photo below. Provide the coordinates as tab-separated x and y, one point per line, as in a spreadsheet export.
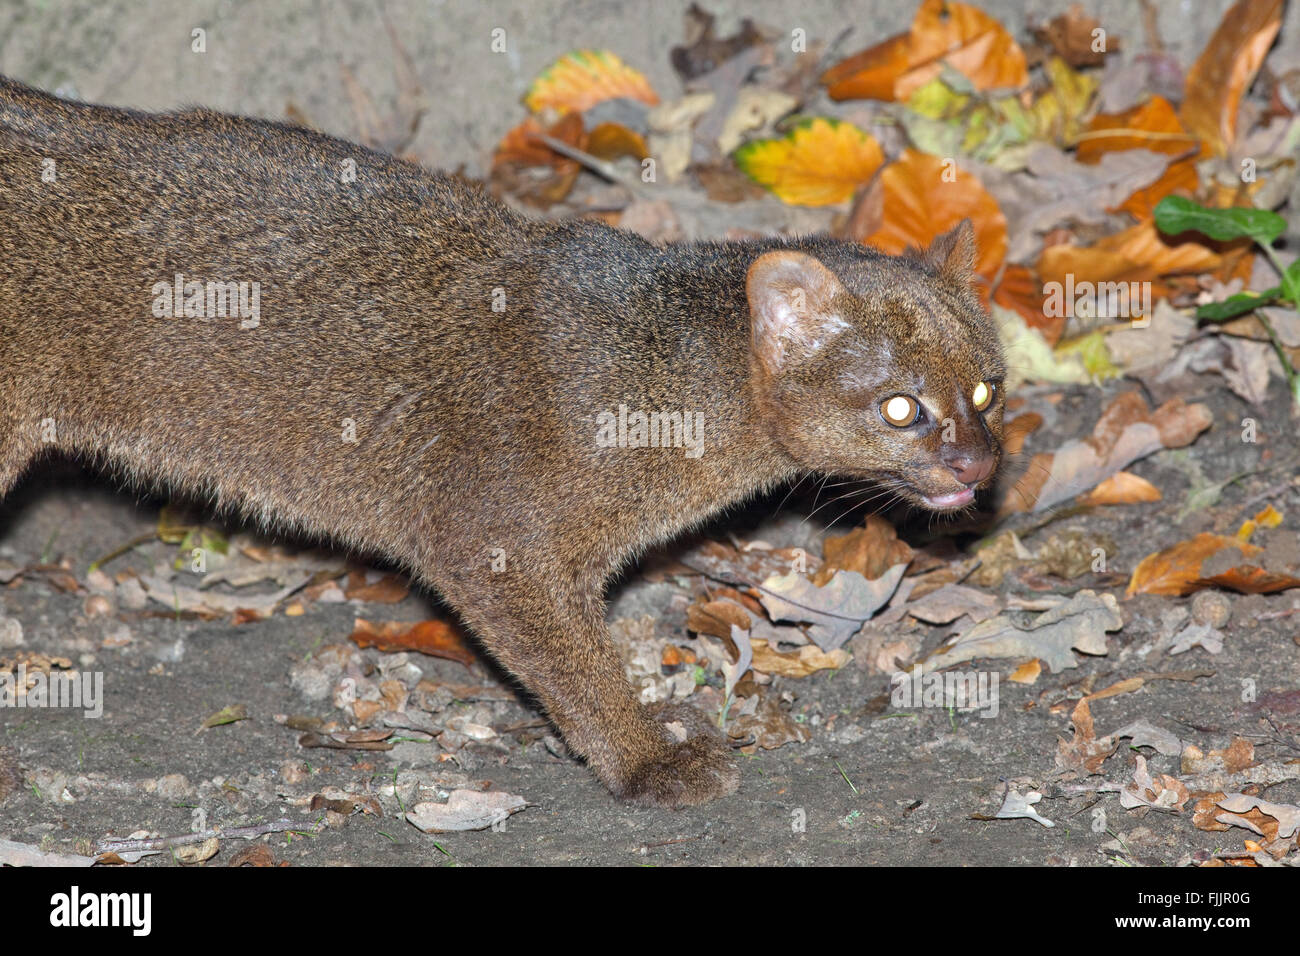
328	339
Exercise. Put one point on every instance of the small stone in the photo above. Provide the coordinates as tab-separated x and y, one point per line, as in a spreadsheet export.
1212	608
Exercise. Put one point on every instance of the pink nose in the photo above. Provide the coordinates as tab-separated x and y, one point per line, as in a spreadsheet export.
969	469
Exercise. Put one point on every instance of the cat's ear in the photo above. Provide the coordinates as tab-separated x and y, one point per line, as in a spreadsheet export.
791	306
953	254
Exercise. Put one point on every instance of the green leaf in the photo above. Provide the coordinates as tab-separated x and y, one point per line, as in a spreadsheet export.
1291	280
1238	304
1174	214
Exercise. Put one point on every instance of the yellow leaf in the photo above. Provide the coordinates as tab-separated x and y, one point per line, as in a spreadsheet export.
821	162
583	78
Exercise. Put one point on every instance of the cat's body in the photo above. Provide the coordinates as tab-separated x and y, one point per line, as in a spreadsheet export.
370	392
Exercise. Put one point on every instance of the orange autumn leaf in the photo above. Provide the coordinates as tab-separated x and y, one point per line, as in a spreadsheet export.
1226	68
1020	290
962	36
433	637
523	145
1151	125
919	203
1154	126
1122	488
584	78
1250	579
1177	570
1137	254
614	141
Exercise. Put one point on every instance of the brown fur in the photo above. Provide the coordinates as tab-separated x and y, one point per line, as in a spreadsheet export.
475	429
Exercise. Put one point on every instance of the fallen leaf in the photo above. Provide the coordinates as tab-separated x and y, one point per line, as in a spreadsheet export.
1027	673
1287	815
583	78
24	854
465	810
1126	431
704	52
805	661
388	589
1160	793
226	715
961	36
818	163
1016	805
1176	570
616	141
1084	751
1225	69
1153	126
870	551
1234	758
1081	623
835	611
769	727
924	196
1073	35
716	618
433	637
1122	488
1143	733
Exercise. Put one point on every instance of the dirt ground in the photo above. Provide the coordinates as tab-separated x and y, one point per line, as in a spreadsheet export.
873	783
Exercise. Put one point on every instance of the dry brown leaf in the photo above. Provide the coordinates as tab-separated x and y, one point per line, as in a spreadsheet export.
1071	35
1122	488
1176	570
615	141
432	637
1137	254
716	618
963	36
1234	758
1225	69
870	550
1027	673
1084	751
805	661
522	148
389	589
1125	432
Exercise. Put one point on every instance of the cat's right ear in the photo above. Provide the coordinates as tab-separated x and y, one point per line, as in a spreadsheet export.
791	306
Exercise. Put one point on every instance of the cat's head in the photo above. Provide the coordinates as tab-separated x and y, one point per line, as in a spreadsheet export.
882	367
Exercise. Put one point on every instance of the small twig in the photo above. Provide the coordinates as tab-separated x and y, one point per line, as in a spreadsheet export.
600	167
651	846
123	549
243	833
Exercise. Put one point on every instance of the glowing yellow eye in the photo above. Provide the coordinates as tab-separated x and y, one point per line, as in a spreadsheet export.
982	397
900	410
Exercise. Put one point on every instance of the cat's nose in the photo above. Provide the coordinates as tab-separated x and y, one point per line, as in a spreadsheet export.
969	469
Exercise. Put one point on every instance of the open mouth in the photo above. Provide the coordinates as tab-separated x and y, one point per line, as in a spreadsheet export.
956	499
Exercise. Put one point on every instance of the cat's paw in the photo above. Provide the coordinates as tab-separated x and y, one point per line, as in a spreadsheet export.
696	767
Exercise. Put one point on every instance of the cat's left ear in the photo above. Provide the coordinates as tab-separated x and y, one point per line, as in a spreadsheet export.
953	253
